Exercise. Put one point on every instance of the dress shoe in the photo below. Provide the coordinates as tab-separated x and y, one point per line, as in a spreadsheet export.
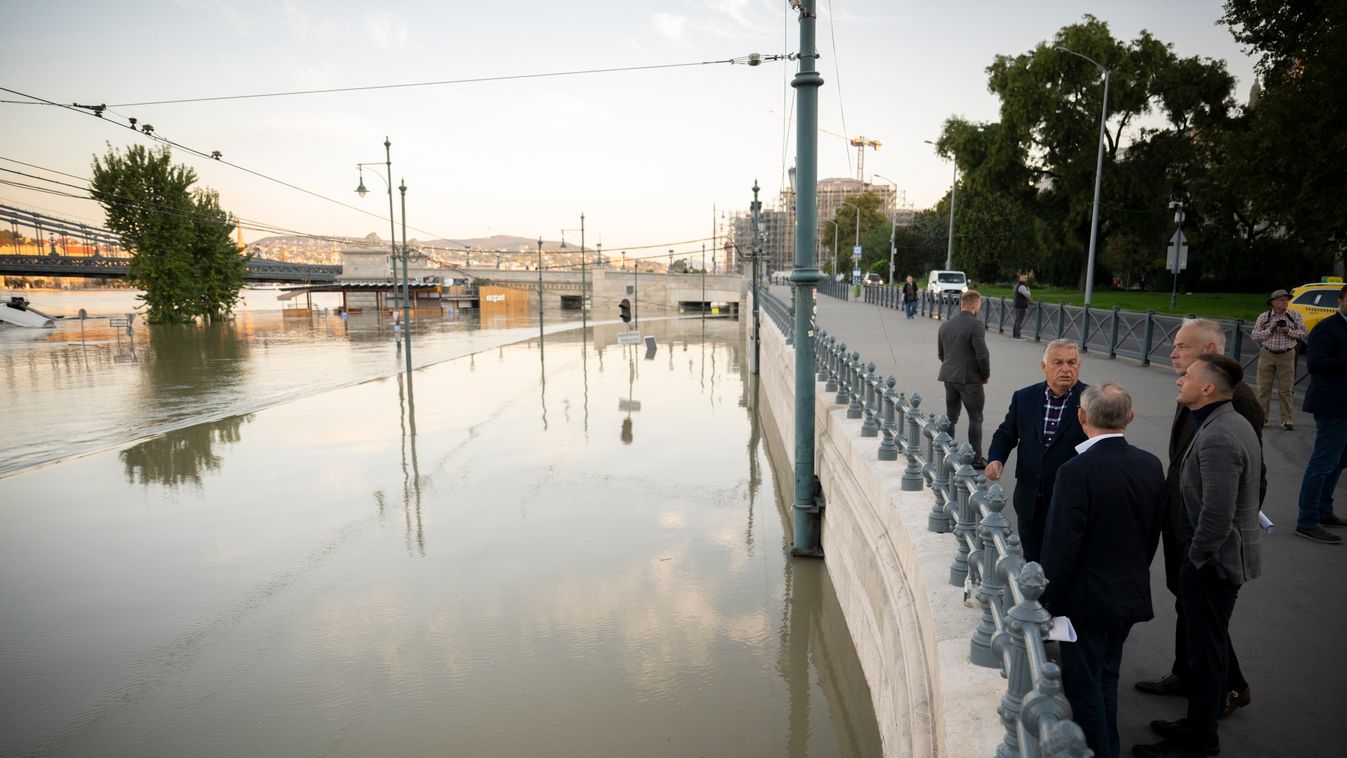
1318	534
1234	700
1169	684
1177	733
1333	521
1171	749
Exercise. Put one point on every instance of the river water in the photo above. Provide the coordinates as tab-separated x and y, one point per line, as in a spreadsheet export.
259	538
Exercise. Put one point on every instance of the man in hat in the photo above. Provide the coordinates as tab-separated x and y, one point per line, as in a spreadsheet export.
1278	330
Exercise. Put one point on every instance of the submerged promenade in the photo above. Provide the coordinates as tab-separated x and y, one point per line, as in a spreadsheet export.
1285	621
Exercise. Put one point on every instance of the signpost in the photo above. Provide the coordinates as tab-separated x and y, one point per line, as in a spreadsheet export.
1176	259
856	264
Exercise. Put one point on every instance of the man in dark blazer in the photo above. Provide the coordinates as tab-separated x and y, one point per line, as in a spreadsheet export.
1327	400
965	365
1103	528
1195	337
1218	484
1042	424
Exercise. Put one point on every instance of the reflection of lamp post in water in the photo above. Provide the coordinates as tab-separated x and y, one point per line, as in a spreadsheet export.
629	404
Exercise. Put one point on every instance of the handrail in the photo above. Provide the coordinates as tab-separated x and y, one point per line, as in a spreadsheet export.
988	562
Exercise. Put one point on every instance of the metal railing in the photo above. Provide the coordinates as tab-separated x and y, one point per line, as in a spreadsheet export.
1113	332
988	563
833	288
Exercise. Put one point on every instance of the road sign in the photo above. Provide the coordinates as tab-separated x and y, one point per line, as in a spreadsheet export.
856	253
1178	250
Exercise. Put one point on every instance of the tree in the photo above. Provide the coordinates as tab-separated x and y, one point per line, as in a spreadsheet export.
844	234
180	237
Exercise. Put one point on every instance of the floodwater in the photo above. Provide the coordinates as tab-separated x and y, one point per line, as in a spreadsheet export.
565	548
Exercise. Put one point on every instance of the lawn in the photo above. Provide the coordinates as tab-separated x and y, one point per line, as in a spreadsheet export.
1224	305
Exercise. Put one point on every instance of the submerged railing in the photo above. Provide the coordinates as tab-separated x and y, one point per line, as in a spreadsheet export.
988	561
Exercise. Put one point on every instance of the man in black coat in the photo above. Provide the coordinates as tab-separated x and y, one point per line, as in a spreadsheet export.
1042	424
965	365
1103	528
1327	400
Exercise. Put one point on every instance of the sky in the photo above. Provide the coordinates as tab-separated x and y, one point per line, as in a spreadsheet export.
652	157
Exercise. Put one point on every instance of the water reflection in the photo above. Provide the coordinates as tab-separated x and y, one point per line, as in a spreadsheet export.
411	477
181	456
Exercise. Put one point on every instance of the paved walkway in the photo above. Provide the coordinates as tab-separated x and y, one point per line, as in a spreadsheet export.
1287	624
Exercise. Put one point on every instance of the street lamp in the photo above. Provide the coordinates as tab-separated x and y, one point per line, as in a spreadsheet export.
893	224
1098	173
540	289
582	262
361	191
833	221
858	233
406	287
953	190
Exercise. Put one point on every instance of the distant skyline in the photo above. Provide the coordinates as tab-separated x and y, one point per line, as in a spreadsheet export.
651	157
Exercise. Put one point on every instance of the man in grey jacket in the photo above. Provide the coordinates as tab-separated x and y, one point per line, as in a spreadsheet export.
1218	485
965	366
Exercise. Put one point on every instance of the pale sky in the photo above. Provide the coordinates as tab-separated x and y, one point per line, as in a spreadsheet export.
647	156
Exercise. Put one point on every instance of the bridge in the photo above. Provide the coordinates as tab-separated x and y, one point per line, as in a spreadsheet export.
110	267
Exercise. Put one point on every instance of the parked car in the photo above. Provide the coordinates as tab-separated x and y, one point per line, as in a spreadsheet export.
940	282
873	279
1315	301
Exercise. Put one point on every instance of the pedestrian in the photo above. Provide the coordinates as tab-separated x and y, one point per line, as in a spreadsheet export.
1022	300
1103	527
1041	423
1197	337
1219	482
1326	398
910	297
965	366
1278	330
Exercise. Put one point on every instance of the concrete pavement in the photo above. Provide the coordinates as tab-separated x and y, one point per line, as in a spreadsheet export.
1285	623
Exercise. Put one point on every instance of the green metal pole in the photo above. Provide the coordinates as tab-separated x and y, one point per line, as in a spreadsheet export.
583	322
803	279
757	255
540	290
406	288
392	230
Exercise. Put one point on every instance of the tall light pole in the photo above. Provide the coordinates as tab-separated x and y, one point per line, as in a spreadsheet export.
953	191
540	289
388	182
893	225
582	264
855	261
1098	174
406	287
833	265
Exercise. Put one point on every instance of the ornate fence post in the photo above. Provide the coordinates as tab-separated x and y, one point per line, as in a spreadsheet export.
830	365
854	407
965	525
870	427
1047	706
912	479
1113	336
1024	619
824	341
993	588
1150	338
888	448
843	376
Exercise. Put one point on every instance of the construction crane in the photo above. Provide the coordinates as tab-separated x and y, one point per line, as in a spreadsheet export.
860	144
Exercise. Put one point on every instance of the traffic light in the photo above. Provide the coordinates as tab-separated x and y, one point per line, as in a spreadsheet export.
624	310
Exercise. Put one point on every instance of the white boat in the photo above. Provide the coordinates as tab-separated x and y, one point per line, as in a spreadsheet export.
19	312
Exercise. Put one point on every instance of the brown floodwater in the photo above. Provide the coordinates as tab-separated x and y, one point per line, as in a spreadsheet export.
565	548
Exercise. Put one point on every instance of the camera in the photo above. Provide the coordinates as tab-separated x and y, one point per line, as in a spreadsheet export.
1281	323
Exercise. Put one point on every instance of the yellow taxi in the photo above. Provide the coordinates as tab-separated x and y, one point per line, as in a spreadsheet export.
1315	301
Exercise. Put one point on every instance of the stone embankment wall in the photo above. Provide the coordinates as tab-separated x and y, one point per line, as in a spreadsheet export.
910	627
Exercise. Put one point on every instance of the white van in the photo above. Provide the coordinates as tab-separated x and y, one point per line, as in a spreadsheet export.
940	282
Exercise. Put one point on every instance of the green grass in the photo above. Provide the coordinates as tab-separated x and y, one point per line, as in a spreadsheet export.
1224	305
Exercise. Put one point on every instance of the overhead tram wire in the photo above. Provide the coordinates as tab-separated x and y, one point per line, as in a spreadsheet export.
837	73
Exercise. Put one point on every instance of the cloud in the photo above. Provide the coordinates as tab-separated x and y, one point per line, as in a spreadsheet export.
671	26
386	32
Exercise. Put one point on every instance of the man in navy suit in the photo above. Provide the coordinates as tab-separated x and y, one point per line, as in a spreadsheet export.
1103	528
1327	400
1042	423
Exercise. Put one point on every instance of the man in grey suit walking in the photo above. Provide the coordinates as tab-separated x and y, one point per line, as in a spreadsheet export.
965	366
1218	486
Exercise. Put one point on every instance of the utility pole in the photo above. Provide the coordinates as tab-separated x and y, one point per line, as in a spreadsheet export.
804	278
757	256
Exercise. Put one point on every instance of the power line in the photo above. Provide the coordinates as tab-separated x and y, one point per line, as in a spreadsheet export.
837	71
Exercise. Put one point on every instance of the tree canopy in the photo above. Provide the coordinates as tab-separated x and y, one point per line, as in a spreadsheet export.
182	254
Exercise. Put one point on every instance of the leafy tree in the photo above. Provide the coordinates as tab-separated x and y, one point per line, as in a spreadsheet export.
1296	177
182	254
872	216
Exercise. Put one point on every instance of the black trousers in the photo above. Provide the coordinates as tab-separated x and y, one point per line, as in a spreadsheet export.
1032	527
972	397
1020	313
1208	600
1090	679
1176	555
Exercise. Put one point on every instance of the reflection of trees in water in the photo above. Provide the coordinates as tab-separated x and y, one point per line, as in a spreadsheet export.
188	364
182	456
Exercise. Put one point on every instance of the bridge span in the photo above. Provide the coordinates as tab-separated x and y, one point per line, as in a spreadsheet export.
110	267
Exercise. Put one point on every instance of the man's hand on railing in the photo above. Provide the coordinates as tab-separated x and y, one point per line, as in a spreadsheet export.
993	470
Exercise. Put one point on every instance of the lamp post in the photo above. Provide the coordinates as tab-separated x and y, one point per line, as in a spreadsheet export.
893	225
1098	174
953	191
858	237
582	263
406	287
540	289
388	182
833	263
